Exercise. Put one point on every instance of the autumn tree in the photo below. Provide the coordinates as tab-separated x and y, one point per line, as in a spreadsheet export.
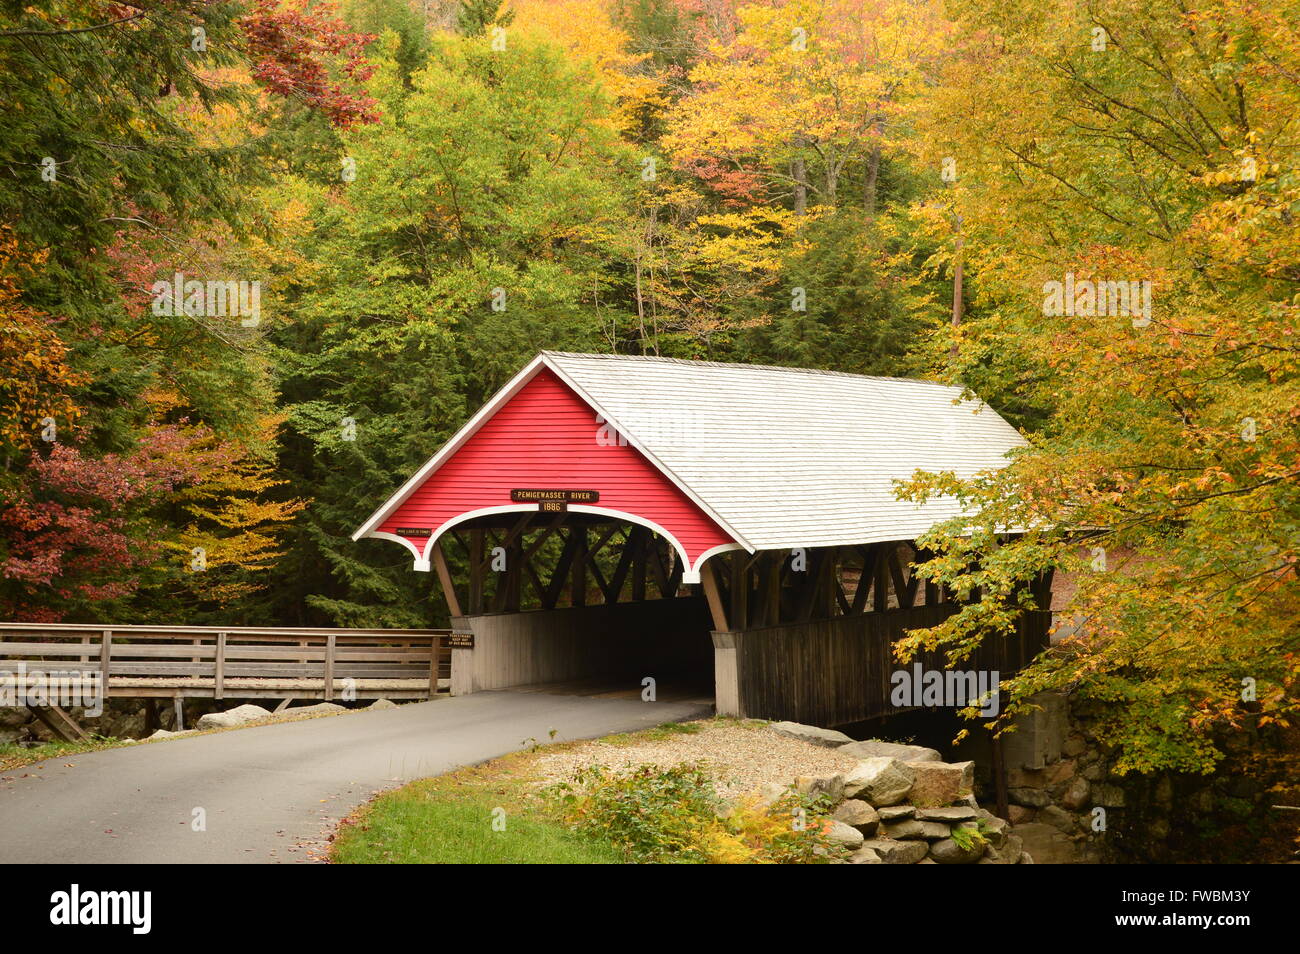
1126	179
128	155
804	94
479	228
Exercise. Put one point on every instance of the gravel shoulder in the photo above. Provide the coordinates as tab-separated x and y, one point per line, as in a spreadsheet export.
739	755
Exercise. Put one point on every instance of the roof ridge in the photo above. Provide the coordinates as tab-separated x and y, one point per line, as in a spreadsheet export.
695	362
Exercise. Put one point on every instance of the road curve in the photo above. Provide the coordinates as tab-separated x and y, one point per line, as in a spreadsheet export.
271	793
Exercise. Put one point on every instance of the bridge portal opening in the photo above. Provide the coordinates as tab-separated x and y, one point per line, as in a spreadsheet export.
573	602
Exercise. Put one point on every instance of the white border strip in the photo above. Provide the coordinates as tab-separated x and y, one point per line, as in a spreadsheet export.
690	574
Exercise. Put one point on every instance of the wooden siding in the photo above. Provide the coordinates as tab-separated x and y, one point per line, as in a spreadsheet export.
547	437
836	671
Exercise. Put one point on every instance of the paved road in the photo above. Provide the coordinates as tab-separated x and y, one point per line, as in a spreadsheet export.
271	793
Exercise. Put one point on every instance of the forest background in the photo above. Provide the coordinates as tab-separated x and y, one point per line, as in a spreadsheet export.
413	198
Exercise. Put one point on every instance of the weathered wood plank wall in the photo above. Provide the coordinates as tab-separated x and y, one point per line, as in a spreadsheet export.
836	671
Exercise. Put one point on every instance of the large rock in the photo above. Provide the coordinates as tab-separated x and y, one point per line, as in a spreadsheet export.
895	813
933	830
881	781
904	830
1019	815
874	748
826	738
1059	819
1029	797
232	717
320	708
1011	849
995	828
898	852
769	795
940	783
865	856
382	704
829	785
1075	796
948	852
858	814
1047	845
839	833
951	814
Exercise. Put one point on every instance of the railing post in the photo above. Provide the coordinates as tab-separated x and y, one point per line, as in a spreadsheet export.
105	651
219	672
435	648
329	667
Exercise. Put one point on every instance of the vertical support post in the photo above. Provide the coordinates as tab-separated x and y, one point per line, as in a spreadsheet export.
931	588
178	704
726	675
444	578
434	652
105	652
739	589
514	572
475	571
151	721
578	571
329	667
219	669
827	584
638	544
709	580
880	597
773	595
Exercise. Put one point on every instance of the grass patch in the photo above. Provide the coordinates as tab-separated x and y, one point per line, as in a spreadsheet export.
449	820
655	815
16	756
410	827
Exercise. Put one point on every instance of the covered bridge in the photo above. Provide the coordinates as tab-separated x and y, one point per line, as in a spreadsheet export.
618	518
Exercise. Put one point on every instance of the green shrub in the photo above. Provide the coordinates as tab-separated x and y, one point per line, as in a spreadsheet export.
674	815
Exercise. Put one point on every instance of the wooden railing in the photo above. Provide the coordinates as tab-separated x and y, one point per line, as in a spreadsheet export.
235	661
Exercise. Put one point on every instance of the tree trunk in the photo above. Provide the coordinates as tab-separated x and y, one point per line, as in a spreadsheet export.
800	173
956	290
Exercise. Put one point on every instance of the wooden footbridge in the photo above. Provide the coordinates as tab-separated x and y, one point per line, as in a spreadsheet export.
230	662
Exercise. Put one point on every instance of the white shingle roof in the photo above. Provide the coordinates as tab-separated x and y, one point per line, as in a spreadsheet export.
790	457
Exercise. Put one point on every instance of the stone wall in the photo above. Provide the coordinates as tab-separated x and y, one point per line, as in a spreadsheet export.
1071	806
902	804
1067	802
